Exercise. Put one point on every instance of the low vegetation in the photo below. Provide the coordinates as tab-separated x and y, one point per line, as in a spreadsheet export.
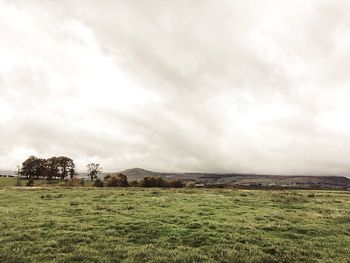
173	225
62	168
119	180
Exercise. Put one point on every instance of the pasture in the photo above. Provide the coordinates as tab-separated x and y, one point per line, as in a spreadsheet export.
173	225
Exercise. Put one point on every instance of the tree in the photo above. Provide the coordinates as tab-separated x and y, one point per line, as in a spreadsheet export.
52	168
65	167
93	170
60	167
122	180
33	167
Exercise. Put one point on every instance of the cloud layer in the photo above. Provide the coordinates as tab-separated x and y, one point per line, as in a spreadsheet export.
239	86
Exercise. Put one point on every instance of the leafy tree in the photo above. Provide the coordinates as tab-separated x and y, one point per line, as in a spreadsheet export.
55	167
33	167
123	180
65	167
52	166
93	170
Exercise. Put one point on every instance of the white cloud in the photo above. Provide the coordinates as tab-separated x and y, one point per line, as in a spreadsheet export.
241	86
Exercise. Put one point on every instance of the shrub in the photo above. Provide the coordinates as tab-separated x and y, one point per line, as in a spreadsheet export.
74	182
18	182
116	181
30	182
191	185
176	183
133	184
98	183
107	177
153	182
61	184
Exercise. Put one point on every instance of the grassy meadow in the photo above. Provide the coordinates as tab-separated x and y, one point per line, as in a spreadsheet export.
184	225
11	182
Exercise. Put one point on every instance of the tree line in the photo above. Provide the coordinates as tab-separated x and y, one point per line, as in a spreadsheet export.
61	167
121	180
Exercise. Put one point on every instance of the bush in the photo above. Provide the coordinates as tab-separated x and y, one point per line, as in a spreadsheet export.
191	185
18	182
153	182
74	182
98	183
30	182
176	183
116	181
61	184
133	184
107	177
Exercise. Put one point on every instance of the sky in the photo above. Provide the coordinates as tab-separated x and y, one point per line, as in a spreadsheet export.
212	86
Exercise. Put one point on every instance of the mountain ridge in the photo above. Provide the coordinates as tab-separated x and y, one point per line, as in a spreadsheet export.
239	179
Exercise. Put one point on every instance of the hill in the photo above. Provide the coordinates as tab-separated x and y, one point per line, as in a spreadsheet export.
137	173
247	180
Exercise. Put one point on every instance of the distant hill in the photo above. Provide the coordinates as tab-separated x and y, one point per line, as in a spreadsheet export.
255	180
137	173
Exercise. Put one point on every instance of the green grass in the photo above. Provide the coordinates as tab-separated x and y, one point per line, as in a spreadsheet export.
154	225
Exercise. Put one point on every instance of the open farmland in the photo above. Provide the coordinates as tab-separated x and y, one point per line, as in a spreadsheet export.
186	225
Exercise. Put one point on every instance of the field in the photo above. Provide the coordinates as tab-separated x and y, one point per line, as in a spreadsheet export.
11	182
186	225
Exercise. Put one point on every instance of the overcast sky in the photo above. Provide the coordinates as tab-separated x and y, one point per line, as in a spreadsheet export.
224	86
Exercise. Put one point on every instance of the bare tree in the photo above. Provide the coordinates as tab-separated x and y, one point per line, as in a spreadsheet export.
93	170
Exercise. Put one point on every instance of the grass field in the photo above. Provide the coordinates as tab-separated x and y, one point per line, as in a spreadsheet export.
11	182
154	225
